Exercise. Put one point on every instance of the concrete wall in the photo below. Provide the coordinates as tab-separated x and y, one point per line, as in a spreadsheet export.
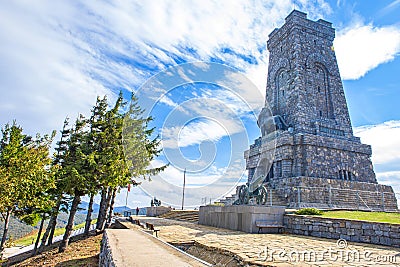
350	230
241	218
156	211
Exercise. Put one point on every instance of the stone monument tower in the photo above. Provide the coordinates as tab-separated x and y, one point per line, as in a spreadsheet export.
317	160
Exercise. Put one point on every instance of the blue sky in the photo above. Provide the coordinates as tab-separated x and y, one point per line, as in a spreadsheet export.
57	56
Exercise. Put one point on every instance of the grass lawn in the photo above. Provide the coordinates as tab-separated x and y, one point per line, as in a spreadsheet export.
385	217
31	238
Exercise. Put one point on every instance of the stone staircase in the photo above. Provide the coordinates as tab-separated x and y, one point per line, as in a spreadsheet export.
227	200
182	215
274	198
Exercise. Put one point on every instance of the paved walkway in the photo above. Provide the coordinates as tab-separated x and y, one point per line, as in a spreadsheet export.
136	248
275	249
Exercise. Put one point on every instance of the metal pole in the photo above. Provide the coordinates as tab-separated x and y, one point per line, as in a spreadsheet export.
184	184
126	200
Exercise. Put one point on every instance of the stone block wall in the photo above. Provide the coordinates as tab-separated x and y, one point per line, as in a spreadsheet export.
350	230
105	257
157	211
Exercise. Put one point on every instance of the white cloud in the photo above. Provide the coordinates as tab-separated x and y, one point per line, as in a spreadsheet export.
361	48
199	131
384	139
167	101
57	56
195	133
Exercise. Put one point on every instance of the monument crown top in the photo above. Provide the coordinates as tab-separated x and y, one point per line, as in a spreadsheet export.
296	13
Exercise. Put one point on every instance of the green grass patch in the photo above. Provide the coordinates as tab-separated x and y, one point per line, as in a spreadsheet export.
31	237
309	211
384	217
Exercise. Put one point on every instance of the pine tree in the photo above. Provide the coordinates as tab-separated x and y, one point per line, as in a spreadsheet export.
96	146
58	197
139	145
111	159
75	166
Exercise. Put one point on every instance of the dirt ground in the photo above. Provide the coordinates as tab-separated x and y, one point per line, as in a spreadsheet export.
82	251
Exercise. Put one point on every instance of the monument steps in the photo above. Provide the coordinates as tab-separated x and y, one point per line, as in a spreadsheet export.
182	215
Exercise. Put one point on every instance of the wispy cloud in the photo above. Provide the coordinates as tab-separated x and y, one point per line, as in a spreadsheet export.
389	8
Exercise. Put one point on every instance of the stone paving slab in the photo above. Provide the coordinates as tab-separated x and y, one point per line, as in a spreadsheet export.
275	249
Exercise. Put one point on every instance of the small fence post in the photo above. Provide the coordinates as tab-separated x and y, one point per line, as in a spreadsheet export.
330	196
383	201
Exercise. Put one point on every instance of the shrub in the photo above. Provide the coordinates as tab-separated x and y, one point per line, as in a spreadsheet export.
309	211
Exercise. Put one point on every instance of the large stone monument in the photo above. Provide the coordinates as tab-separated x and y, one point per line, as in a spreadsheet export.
316	160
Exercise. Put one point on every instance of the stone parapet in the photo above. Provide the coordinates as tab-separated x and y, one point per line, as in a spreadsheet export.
350	230
106	257
157	211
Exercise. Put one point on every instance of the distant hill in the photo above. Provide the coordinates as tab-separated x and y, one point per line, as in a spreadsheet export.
122	209
19	229
82	209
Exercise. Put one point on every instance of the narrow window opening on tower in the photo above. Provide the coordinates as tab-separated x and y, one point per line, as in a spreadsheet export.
319	89
283	92
320	113
315	42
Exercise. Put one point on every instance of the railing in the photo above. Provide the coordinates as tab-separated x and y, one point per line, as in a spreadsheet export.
328	197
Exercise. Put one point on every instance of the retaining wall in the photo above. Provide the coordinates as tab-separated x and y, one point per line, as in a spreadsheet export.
350	230
105	257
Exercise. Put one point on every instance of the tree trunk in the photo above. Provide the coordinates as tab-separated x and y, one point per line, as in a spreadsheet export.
102	212
51	226
108	203
6	223
70	224
110	213
89	215
35	249
52	230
